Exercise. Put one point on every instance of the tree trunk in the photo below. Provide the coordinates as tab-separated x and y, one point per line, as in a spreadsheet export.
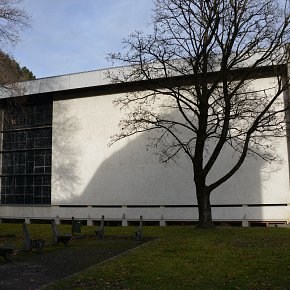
204	207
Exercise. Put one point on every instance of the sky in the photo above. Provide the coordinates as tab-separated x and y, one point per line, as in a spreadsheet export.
69	36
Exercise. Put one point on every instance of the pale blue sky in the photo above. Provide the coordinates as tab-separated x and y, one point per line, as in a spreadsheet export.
70	36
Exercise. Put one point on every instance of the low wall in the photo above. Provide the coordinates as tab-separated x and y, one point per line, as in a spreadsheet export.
159	215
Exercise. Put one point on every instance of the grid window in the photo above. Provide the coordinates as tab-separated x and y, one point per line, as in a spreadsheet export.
26	154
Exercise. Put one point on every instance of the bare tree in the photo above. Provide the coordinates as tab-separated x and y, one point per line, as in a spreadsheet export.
13	19
198	70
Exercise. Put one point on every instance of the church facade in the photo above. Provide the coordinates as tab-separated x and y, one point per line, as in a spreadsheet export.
56	163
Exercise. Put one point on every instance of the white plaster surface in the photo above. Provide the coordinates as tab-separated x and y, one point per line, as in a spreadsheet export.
88	172
66	82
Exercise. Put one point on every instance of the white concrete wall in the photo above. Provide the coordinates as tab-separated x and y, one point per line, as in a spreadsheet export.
90	214
88	172
66	82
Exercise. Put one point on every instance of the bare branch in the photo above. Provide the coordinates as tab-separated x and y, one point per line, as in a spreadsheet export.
203	61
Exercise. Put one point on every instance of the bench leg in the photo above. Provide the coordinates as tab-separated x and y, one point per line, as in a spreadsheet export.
7	257
100	234
139	235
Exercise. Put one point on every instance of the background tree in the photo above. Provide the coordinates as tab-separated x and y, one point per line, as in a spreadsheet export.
13	19
11	71
200	64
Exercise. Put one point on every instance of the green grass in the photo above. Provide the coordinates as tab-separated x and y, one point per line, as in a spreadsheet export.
188	258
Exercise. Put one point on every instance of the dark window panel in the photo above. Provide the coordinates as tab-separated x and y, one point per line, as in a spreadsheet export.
37	200
46	191
29	190
39	170
28	199
26	127
19	199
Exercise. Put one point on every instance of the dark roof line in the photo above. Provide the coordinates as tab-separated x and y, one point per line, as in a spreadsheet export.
81	72
155	84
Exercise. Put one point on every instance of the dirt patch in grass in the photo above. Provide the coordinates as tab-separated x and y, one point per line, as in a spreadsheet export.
33	270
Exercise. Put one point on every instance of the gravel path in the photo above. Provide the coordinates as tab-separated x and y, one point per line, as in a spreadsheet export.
31	271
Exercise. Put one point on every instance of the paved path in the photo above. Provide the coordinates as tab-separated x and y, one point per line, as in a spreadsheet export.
35	270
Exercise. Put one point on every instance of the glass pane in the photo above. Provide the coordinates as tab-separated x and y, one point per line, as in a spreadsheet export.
26	156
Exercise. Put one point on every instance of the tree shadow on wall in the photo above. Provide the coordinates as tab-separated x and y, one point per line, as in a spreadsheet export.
65	156
133	176
88	172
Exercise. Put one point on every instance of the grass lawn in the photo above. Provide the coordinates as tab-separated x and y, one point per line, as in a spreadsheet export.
185	258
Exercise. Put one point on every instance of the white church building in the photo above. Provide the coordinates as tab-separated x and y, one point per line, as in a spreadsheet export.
56	164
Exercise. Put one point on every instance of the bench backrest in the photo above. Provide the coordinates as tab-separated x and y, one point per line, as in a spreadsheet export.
27	241
102	222
54	228
76	226
25	232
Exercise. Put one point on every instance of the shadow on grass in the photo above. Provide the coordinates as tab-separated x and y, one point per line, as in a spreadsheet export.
189	258
33	270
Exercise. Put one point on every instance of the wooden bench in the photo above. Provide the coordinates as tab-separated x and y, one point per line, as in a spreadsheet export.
29	243
76	226
59	238
6	252
139	231
100	232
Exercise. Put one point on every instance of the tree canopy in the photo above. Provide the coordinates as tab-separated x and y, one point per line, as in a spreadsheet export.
13	19
11	71
200	65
